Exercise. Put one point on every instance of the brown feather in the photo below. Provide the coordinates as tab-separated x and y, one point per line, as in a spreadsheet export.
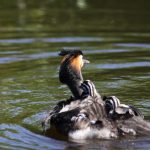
76	62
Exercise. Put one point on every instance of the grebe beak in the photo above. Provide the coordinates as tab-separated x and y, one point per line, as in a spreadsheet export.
85	61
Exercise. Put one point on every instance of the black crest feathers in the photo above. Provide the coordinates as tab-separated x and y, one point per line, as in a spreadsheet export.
70	52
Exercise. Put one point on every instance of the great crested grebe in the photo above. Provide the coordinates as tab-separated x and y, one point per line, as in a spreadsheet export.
70	70
84	110
86	114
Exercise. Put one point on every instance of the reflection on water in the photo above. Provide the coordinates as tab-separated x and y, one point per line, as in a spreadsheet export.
113	35
19	138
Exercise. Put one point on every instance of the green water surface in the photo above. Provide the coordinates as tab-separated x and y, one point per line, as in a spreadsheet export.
114	36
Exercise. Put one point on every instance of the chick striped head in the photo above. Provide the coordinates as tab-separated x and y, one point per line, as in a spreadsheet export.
88	88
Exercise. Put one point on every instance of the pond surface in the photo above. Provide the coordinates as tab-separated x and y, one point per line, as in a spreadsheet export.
114	36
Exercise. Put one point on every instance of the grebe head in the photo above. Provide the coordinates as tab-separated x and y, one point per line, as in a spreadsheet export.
70	70
89	89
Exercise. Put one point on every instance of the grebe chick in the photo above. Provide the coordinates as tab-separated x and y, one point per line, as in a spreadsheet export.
70	70
115	110
128	119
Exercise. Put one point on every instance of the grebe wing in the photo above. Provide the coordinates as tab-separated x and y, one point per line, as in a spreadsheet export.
136	111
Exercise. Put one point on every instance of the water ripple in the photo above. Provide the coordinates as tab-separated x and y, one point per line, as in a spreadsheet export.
140	45
20	138
51	40
123	65
105	51
16	58
10	52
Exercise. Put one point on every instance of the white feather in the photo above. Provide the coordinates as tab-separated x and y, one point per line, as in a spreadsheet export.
90	133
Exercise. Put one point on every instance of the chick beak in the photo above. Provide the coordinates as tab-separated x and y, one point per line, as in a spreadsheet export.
85	61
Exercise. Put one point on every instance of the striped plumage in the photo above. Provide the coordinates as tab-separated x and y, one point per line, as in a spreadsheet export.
116	110
111	103
89	89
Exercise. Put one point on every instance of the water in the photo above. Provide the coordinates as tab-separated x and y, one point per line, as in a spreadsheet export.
114	36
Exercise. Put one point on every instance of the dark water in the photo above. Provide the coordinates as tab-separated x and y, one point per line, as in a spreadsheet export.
115	37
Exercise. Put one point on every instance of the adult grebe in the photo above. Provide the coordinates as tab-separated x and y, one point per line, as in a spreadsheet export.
83	111
70	70
86	115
